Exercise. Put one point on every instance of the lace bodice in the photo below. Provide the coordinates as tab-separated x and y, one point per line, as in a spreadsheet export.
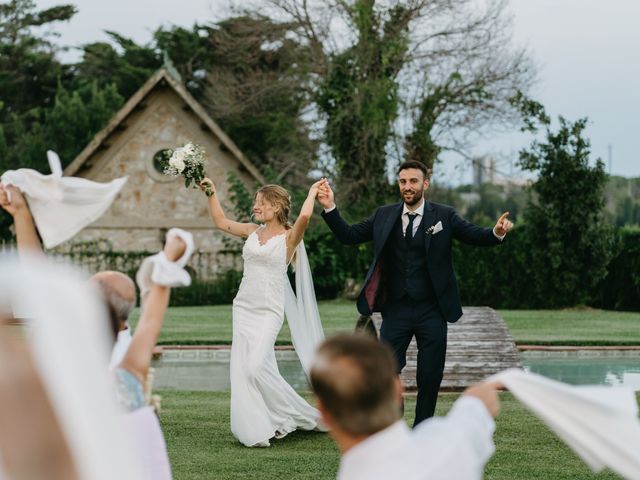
265	260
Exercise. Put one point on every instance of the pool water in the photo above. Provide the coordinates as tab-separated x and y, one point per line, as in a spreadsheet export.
209	369
598	367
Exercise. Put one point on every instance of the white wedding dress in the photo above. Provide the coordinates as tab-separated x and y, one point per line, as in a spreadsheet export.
263	404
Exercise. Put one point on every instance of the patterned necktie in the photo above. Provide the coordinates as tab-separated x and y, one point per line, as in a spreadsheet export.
408	235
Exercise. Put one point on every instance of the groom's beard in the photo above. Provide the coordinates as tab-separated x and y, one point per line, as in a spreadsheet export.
412	197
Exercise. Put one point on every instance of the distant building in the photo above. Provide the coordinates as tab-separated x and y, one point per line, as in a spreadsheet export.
484	170
161	115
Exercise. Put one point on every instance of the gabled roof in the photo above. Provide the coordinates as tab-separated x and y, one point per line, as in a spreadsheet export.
161	77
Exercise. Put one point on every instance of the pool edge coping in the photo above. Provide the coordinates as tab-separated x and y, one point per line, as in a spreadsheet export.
159	349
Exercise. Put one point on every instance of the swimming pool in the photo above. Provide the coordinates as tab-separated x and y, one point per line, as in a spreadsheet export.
207	369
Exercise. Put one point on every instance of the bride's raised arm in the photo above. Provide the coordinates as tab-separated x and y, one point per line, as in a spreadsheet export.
299	227
220	220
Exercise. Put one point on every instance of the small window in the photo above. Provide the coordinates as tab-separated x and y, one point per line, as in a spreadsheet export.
160	159
155	167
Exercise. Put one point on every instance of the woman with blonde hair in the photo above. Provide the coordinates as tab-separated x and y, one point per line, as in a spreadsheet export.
263	404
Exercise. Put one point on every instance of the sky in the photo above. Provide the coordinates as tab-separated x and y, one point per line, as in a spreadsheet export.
587	51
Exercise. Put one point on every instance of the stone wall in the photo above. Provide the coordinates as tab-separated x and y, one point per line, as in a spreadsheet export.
150	203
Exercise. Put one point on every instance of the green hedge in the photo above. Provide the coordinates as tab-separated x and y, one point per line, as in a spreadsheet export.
502	277
620	289
219	291
497	276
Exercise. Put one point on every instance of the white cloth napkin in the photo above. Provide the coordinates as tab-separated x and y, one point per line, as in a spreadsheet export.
599	423
160	270
62	206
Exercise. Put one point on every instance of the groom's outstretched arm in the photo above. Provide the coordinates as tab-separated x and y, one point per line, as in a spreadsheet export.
345	233
472	234
349	234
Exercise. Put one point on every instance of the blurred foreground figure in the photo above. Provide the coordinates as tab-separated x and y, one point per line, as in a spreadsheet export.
58	412
355	380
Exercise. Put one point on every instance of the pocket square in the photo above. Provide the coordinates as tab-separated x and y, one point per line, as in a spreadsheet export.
433	229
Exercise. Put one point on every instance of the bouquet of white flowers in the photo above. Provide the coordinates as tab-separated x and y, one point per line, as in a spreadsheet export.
187	161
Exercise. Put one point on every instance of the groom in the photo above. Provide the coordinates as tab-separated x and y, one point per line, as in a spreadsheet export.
411	280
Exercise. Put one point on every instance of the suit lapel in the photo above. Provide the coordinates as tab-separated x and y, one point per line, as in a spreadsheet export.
389	222
429	220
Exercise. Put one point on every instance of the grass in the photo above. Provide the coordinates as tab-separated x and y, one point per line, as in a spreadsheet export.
573	327
196	426
212	325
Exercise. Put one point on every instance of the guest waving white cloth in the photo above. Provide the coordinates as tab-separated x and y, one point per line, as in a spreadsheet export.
158	269
62	206
599	423
70	354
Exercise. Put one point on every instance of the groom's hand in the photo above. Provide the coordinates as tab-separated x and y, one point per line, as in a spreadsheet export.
503	225
325	195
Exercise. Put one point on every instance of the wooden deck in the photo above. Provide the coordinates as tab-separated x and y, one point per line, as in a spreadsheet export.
479	345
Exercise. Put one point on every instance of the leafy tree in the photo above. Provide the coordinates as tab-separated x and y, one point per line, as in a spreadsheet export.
247	72
191	52
29	78
406	80
33	96
77	116
257	88
29	71
122	63
570	245
359	97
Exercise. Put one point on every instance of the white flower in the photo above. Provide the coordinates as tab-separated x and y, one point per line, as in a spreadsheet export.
189	149
177	160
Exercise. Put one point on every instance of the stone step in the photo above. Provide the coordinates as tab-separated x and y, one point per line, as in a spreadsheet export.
478	345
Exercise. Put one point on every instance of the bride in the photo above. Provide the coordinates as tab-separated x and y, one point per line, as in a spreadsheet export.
263	404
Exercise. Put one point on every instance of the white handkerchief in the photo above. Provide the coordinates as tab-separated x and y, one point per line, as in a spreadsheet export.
62	206
437	228
599	423
159	269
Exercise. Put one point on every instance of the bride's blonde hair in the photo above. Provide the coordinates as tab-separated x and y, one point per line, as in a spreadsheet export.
279	198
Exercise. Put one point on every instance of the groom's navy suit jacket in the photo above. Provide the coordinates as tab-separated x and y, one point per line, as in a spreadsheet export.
439	266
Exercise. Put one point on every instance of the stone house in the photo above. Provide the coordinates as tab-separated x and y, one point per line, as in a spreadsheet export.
161	115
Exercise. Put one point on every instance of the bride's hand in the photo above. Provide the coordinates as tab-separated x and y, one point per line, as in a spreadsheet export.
315	188
325	195
207	185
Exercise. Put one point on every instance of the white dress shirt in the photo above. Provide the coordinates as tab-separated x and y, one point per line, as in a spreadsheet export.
455	447
419	212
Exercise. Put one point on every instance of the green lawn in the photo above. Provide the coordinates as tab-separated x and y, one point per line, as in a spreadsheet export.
212	325
196	426
573	327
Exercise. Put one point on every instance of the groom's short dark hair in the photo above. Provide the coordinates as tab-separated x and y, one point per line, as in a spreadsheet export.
415	164
354	377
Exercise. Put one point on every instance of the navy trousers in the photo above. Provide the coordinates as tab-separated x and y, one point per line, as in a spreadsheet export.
401	320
